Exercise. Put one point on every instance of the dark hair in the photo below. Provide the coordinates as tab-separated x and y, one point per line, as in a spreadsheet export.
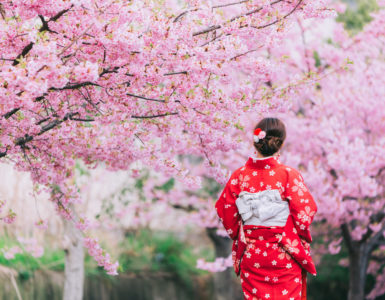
275	136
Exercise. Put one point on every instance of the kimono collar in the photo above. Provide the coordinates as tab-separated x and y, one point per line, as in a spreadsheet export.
263	162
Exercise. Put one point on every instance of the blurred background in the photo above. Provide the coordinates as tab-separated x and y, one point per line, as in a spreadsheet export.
166	238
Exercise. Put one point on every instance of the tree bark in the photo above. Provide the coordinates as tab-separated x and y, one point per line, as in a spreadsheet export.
74	264
223	283
358	264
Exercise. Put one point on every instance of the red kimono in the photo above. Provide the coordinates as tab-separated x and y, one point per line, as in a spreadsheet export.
272	261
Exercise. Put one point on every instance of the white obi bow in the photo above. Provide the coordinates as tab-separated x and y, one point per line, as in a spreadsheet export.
264	208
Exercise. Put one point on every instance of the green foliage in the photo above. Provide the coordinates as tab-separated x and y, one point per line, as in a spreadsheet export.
162	252
25	264
317	59
141	251
53	259
81	169
355	17
167	186
332	280
211	187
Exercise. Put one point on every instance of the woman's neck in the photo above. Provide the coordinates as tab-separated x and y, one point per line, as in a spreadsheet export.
259	155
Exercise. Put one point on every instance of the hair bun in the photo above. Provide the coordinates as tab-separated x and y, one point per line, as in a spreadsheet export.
275	136
274	143
269	145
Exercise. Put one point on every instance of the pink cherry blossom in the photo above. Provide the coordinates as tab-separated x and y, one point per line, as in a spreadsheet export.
120	82
101	257
10	253
10	217
42	224
220	264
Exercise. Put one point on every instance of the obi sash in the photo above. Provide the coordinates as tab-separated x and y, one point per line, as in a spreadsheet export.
271	213
264	208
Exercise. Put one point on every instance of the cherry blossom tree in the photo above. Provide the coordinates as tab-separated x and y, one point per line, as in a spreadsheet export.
121	81
337	135
95	187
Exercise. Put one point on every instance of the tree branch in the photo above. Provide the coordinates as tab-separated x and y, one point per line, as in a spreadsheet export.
377	258
215	27
213	39
60	13
23	53
188	208
74	86
75	40
2	11
347	237
207	30
27	138
379	172
376	238
108	71
10	113
175	73
145	98
42	121
82	120
242	54
155	116
182	14
230	4
280	19
44	27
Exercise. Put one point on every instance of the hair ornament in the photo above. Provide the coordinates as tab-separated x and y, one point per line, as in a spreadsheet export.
258	134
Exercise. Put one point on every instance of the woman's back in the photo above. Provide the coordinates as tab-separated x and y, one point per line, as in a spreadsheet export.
266	209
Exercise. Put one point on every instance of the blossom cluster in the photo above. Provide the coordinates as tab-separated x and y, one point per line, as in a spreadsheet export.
220	264
103	259
28	245
117	82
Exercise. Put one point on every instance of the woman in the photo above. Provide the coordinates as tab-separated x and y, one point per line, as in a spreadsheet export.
267	209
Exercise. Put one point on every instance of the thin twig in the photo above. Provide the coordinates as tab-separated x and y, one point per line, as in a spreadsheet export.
280	19
75	40
214	27
155	116
175	73
242	54
229	4
145	98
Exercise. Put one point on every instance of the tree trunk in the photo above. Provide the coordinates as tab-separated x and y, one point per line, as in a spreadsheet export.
223	283
358	264
74	264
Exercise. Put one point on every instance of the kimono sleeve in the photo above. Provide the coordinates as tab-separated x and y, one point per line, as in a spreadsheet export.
301	203
227	209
